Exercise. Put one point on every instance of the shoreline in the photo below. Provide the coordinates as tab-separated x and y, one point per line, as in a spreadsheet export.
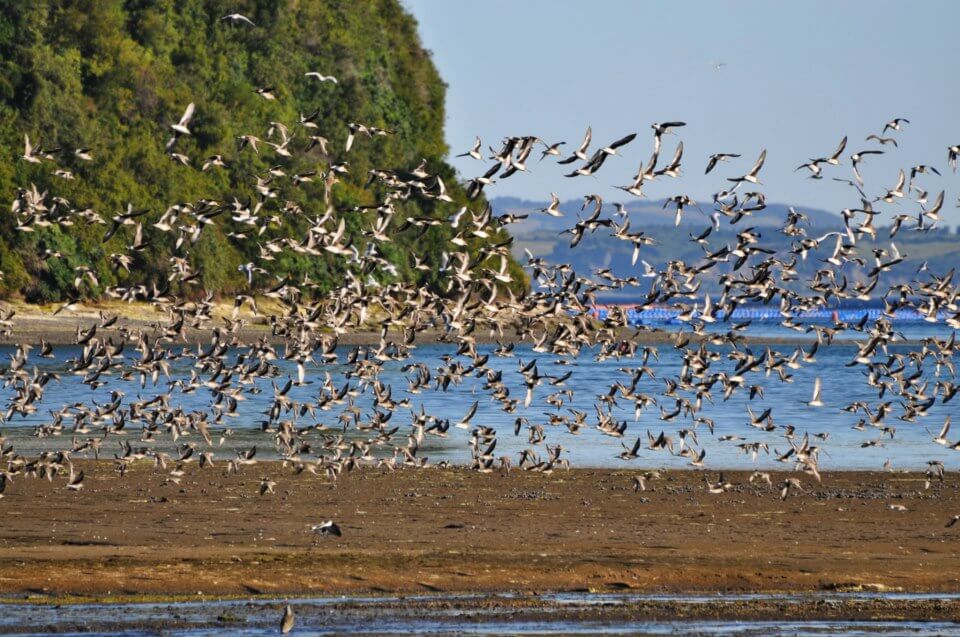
32	323
497	614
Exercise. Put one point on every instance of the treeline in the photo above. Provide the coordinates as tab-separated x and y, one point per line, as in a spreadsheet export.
111	76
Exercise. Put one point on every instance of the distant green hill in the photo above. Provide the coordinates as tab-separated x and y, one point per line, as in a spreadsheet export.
112	75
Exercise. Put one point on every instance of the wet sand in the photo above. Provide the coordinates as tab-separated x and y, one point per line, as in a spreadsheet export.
451	530
573	614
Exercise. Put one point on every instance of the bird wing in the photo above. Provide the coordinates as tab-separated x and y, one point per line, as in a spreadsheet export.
757	166
677	155
843	144
586	140
471	411
187	114
623	141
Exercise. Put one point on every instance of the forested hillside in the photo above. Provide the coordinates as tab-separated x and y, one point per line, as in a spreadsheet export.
109	77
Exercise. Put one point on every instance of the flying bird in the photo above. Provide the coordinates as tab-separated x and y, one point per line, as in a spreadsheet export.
181	127
475	151
321	77
715	159
236	18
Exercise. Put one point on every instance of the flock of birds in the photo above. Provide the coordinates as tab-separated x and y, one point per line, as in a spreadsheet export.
334	432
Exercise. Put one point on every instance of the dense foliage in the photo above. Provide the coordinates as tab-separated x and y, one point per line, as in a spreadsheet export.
113	75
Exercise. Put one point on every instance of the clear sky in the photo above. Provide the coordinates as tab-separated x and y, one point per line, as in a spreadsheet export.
797	78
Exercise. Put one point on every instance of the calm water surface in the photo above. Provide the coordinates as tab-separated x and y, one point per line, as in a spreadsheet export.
369	616
911	447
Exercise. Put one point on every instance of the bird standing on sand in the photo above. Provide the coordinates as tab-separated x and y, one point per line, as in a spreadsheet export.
327	528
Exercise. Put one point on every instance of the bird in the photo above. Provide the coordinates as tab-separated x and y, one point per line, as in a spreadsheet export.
581	152
353	129
630	453
266	92
611	148
814	167
680	201
834	159
552	149
327	528
75	483
28	151
718	487
321	77
857	158
941	438
181	127
882	140
475	151
267	486
666	127
895	124
816	400
716	158
236	18
553	209
790	484
464	422
751	175
287	620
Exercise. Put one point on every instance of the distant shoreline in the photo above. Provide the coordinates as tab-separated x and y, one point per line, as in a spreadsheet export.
32	323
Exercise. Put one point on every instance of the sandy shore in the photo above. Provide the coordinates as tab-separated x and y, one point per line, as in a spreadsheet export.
453	530
32	323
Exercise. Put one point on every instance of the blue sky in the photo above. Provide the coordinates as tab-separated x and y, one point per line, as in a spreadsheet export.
797	78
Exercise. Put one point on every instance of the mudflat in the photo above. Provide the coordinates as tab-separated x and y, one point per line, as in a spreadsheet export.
454	530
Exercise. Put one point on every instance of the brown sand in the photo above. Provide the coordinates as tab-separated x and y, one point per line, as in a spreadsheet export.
455	530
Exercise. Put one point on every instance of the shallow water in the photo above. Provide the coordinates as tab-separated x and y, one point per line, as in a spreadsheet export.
911	447
359	615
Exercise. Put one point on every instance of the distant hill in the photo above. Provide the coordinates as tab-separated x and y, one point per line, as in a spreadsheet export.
650	213
540	234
